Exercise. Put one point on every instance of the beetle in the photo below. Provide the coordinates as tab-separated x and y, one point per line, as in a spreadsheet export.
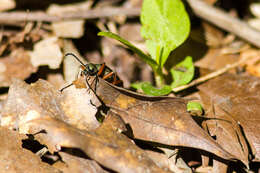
98	70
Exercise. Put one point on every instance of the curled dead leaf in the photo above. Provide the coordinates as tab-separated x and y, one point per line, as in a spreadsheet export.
105	145
235	99
38	109
158	119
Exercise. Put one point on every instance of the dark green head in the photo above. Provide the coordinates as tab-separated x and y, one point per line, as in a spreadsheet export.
90	69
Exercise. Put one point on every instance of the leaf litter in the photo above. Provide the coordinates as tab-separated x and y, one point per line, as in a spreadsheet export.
32	112
236	101
68	122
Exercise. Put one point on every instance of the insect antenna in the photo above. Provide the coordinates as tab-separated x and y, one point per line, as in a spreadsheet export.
96	77
68	54
89	85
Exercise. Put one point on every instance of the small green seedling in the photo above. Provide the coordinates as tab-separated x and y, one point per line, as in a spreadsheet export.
165	26
194	108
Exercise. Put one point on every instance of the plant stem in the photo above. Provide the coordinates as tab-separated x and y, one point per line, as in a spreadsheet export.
159	79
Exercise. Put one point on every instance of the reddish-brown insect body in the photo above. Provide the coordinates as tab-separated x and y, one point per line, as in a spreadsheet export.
99	70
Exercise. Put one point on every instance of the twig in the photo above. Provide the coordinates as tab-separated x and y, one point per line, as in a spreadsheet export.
90	14
210	76
225	21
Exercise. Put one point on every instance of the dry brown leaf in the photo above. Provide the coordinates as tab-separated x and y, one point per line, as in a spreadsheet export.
171	163
16	65
235	99
27	102
225	128
202	169
77	106
214	59
219	167
77	165
106	144
253	61
214	37
15	159
56	80
158	119
37	109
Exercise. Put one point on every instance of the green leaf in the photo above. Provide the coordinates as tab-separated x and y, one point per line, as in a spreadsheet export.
183	72
165	25
137	85
149	89
194	108
146	58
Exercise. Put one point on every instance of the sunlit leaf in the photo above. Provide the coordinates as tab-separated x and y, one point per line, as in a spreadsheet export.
149	89
183	72
165	25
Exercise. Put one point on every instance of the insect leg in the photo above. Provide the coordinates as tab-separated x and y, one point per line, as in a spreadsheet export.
115	80
108	75
96	81
94	91
65	87
101	69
